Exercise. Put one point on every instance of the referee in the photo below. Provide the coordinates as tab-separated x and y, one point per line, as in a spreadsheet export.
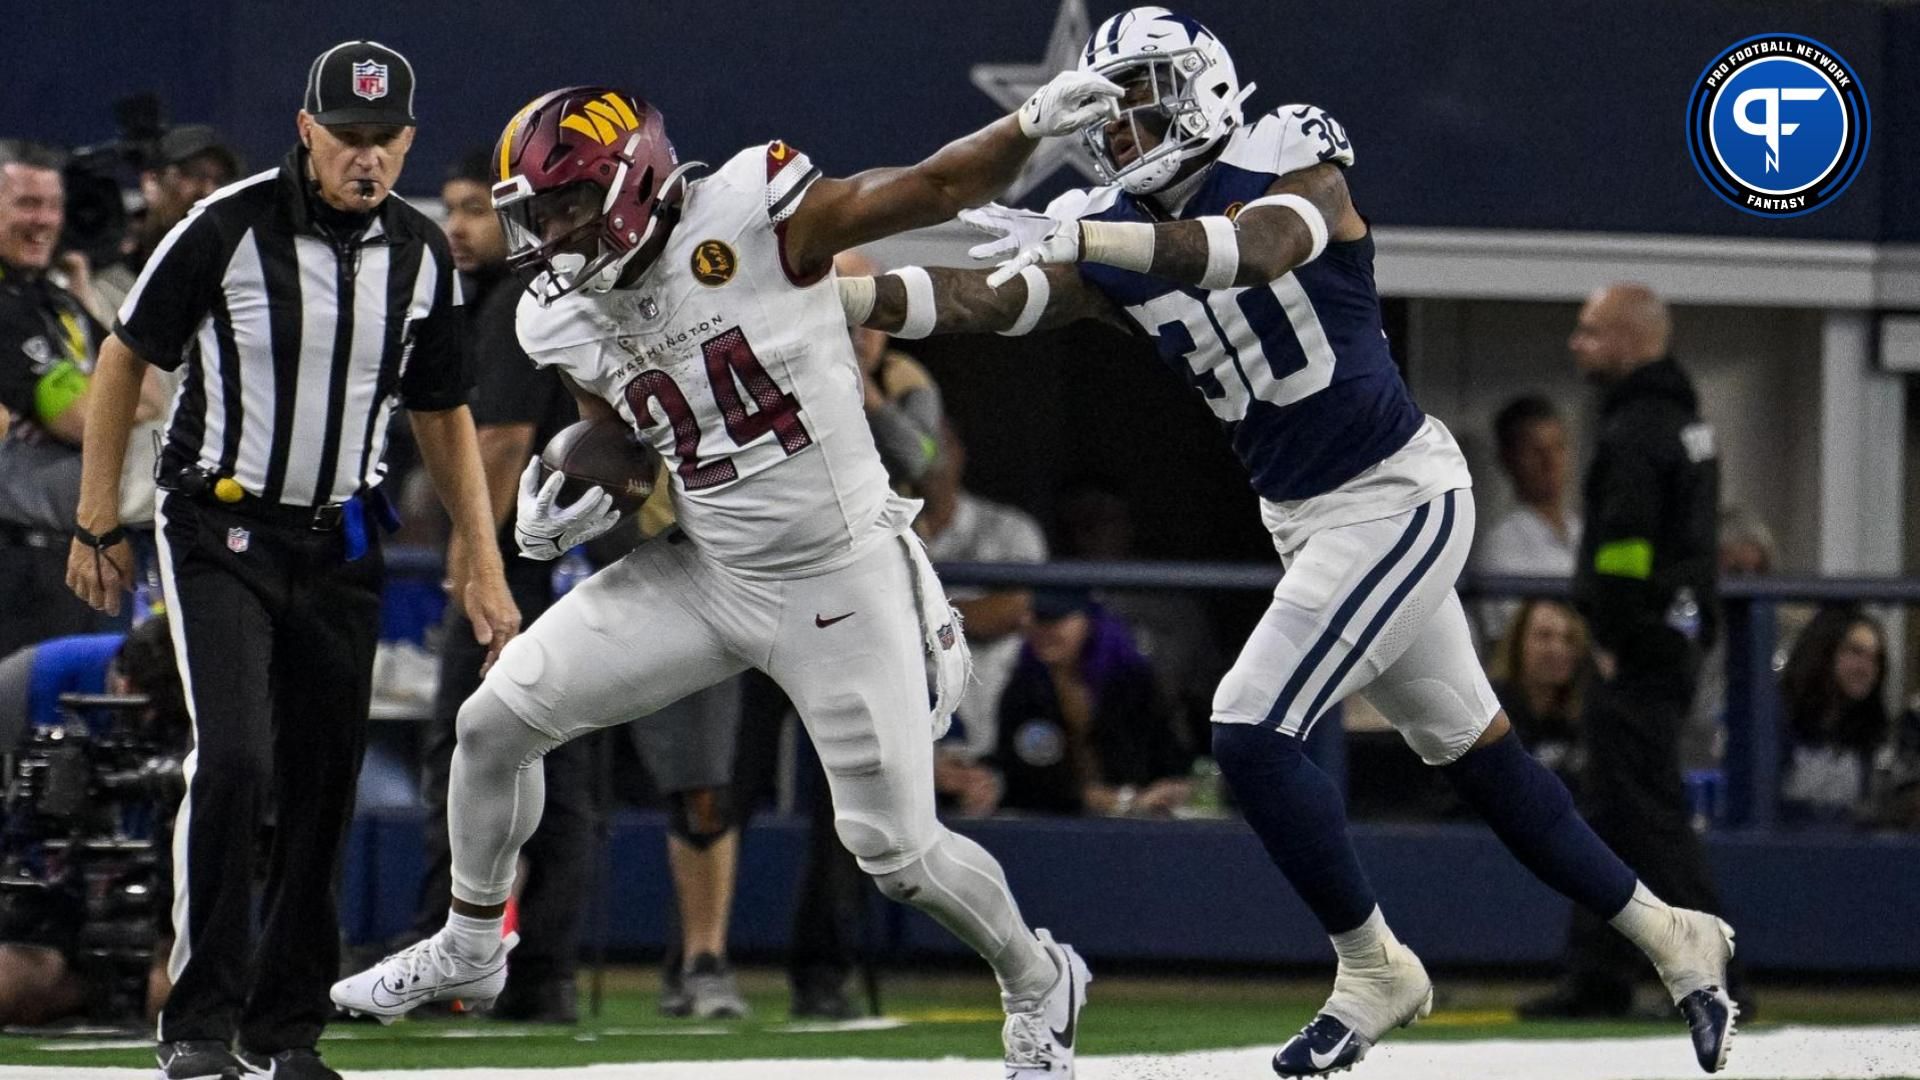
304	305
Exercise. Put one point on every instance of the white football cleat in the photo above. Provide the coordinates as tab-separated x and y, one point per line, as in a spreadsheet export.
1367	1002
422	972
1691	958
1040	1035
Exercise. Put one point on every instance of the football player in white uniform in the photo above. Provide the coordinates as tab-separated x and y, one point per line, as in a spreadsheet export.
703	311
1236	248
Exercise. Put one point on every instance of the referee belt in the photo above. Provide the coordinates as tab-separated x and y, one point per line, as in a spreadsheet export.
227	494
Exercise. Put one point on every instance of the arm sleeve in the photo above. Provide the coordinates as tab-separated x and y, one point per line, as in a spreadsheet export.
175	291
1616	592
439	374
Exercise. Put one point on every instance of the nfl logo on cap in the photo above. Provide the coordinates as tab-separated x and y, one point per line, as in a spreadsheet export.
370	79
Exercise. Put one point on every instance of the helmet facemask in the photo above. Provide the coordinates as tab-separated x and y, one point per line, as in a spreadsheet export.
1161	123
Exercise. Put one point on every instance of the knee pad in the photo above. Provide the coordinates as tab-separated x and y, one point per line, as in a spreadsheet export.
700	817
880	845
488	728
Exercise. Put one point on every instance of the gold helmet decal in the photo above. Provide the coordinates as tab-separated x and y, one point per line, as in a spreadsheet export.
603	119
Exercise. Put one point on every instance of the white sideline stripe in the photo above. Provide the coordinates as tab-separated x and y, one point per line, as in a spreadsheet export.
1779	1054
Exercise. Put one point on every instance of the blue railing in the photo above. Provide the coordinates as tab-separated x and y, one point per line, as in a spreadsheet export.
1753	709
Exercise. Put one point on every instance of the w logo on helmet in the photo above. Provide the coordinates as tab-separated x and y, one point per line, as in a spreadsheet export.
603	119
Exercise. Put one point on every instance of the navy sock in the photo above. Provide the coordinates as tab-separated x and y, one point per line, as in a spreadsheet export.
1531	812
1300	817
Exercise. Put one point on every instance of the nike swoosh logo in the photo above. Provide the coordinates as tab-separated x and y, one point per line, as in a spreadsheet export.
1321	1061
824	623
1065	1038
397	998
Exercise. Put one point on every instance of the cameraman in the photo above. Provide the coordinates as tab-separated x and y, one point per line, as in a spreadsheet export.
48	343
44	975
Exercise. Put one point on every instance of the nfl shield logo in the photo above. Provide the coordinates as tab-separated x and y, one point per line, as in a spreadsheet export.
945	634
649	309
238	539
370	80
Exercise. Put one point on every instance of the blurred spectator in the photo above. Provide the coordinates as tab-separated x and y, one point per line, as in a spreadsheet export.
1645	581
190	164
1746	549
1171	628
1895	787
901	399
1836	716
1541	669
1083	727
48	344
1538	537
960	526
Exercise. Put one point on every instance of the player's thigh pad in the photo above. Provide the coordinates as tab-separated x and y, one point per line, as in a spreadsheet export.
1352	600
860	687
620	645
1436	695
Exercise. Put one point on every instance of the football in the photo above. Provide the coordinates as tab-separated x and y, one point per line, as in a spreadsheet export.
606	454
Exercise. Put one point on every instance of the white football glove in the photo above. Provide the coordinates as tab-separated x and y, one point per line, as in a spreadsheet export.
1010	227
545	532
1071	101
1061	244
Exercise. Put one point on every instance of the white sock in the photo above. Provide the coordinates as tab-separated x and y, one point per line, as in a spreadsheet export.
473	938
1645	920
1363	945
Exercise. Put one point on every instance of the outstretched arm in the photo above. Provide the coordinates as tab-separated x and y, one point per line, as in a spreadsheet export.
1287	227
962	302
837	214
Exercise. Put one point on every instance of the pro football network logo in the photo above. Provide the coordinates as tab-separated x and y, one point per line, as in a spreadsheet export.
1778	125
370	79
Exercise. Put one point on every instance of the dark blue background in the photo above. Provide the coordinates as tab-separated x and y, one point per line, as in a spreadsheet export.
1504	113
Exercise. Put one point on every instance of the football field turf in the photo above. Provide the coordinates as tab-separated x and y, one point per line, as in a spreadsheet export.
947	1026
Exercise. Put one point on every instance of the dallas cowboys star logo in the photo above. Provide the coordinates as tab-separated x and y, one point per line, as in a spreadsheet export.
1010	85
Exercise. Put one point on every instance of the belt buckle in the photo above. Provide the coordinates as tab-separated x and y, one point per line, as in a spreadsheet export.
327	518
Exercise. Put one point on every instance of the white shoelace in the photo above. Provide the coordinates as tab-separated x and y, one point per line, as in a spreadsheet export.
420	958
1026	1036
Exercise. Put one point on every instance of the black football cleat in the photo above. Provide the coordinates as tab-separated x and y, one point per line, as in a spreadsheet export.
1327	1045
1710	1017
196	1059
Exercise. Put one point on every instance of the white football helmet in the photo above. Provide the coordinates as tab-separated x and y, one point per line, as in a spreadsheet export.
1191	101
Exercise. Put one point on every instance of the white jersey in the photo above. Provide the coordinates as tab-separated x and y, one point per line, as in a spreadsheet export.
742	376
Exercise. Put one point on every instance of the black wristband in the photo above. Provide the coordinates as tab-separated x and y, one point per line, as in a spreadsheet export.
103	541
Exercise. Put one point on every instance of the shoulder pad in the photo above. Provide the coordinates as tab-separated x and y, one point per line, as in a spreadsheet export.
1289	139
777	169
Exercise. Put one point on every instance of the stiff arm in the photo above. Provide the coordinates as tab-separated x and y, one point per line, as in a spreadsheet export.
964	303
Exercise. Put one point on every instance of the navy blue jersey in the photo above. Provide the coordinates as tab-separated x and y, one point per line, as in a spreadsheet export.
1298	369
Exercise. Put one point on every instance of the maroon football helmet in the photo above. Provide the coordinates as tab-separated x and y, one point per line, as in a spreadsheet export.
585	174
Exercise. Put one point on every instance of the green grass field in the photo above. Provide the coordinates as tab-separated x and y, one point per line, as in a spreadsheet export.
946	1015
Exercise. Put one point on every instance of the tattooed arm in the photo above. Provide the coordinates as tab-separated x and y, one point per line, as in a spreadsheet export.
965	303
1273	239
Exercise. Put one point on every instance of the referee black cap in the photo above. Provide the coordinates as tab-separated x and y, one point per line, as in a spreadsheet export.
360	82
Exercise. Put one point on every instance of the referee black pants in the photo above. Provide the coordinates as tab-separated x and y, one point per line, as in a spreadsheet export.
275	633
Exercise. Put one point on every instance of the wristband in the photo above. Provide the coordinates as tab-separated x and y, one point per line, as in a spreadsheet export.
1125	244
103	541
1310	214
856	298
1223	253
919	319
1039	291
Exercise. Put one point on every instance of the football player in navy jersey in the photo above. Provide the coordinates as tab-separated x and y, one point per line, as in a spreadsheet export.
1237	249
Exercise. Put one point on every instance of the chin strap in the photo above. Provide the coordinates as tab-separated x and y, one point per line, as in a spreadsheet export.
610	274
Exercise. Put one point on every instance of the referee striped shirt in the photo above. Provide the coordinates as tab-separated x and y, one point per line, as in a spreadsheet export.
299	339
